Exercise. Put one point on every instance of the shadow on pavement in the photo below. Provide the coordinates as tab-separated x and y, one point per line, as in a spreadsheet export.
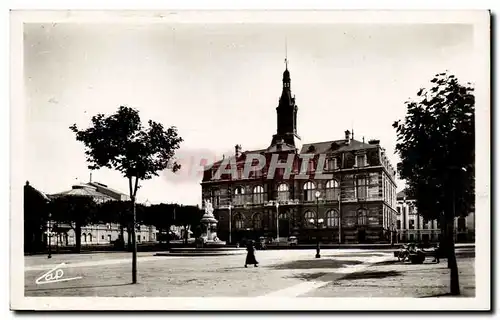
318	263
81	287
370	275
308	276
354	255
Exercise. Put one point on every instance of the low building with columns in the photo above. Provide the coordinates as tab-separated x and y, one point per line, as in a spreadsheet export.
413	228
98	233
346	184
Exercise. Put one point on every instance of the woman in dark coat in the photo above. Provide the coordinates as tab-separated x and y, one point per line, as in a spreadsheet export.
250	255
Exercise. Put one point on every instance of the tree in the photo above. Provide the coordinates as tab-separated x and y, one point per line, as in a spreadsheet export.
76	211
35	218
122	143
162	217
189	216
118	212
437	151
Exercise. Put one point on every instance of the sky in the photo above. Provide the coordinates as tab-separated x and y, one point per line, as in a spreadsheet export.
219	84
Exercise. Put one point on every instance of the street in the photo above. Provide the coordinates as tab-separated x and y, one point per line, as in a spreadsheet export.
283	273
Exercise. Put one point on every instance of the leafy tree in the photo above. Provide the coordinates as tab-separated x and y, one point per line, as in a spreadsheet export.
162	217
76	211
35	218
117	212
189	217
122	143
436	147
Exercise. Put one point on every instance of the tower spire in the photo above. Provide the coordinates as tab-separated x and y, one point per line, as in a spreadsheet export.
286	54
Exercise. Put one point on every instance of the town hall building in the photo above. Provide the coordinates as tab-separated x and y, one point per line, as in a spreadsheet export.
353	200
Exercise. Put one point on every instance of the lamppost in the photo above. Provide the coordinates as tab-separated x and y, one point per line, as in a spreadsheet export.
229	207
277	204
49	235
318	221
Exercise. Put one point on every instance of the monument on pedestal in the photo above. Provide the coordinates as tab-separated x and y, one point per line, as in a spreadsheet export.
209	226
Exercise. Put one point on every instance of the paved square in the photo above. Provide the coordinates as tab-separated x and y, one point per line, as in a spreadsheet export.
283	273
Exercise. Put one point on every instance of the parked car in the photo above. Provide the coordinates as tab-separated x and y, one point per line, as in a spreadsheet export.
292	241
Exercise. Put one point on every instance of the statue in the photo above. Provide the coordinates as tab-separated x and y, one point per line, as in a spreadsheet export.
208	207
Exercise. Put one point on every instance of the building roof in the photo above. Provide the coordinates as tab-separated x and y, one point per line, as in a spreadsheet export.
402	195
102	188
326	146
84	190
40	193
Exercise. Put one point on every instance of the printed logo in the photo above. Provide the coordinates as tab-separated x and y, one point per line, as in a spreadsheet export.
54	275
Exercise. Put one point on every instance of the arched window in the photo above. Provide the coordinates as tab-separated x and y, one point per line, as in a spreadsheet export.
109	238
239	195
283	192
84	237
362	217
283	216
309	188
258	194
307	216
90	237
238	221
332	218
332	190
257	221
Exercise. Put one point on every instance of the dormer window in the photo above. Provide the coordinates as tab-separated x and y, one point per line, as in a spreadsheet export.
360	160
311	149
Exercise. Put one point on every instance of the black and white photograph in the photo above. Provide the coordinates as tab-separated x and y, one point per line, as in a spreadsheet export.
250	160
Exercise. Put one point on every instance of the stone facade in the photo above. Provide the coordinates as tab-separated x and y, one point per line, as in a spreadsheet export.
360	173
412	227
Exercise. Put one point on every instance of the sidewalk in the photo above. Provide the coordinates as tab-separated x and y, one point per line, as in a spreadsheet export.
395	279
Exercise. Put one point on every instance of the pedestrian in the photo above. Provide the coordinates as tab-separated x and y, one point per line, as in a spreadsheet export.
251	254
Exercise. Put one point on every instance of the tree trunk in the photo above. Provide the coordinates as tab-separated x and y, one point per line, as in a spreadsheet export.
122	237
454	281
78	237
134	245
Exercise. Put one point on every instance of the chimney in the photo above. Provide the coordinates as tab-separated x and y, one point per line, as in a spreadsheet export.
237	150
347	137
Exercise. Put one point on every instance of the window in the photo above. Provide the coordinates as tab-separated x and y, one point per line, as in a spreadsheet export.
361	187
308	216
411	237
399	210
411	223
461	224
425	225
143	237
283	192
331	164
90	237
309	188
360	160
362	218
108	226
109	238
138	237
84	237
332	218
239	195
283	216
102	237
332	190
398	224
238	221
258	194
215	197
257	221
